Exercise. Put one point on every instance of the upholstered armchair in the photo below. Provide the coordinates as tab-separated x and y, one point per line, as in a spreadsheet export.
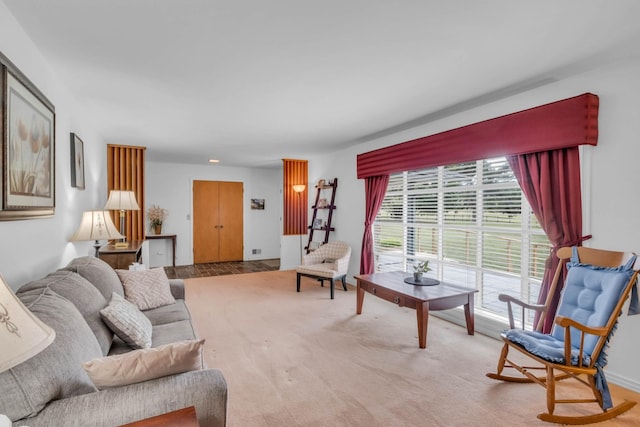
329	262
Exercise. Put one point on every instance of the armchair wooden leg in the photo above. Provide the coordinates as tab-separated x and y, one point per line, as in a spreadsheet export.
344	282
332	287
298	282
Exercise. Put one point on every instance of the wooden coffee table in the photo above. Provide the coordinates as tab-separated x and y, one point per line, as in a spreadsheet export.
391	287
185	417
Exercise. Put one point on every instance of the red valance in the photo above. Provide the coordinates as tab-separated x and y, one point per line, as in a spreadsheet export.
566	123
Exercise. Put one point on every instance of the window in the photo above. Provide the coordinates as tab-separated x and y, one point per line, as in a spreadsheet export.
473	224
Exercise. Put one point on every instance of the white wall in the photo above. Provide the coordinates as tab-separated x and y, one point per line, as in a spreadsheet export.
610	178
32	248
169	186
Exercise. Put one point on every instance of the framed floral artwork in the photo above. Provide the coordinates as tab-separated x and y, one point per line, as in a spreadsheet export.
28	147
77	162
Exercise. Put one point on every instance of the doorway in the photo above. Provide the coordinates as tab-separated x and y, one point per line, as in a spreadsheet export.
217	221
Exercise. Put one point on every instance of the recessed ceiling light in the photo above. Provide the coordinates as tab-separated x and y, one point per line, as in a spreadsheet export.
213	160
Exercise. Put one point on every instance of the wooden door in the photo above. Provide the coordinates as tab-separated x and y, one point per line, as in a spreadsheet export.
205	222
231	223
217	221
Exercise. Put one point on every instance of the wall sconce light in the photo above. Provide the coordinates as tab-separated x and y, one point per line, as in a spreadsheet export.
299	189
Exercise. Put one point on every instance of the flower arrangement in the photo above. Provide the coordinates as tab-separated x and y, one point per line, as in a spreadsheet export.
156	215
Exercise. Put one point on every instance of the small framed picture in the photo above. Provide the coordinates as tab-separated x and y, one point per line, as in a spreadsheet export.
77	162
257	204
317	224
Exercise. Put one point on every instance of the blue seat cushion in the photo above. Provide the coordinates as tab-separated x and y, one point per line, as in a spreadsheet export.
545	346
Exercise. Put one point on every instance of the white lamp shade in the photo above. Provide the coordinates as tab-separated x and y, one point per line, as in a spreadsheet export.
22	334
122	201
299	188
96	225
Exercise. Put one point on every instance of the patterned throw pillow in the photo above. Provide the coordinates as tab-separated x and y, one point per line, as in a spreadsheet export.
127	322
146	364
146	289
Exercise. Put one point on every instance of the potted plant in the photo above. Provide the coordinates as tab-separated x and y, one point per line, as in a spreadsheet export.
419	269
156	216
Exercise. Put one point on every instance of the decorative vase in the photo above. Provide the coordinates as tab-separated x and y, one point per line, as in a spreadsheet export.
417	276
158	228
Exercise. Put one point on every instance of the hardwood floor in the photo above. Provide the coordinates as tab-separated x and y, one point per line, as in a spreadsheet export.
221	268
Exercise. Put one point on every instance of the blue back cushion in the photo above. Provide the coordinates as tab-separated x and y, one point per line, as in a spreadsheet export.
589	296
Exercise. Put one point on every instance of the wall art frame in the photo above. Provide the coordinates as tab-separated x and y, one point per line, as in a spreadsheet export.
257	204
27	130
77	162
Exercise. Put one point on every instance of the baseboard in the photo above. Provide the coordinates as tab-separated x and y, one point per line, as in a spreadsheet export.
491	327
482	324
621	381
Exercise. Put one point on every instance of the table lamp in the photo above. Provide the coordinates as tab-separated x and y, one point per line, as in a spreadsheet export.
96	225
122	201
22	334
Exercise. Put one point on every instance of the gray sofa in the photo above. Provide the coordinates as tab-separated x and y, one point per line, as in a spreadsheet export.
52	389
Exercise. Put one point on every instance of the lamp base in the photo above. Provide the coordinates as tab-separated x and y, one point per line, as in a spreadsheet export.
97	246
122	243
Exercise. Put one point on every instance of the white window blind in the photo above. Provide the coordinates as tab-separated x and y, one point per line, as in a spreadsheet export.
473	224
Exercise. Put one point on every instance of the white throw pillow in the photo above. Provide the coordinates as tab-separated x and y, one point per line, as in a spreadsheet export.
146	289
127	322
147	364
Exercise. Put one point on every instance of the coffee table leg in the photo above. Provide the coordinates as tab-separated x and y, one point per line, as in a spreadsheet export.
468	314
422	314
359	298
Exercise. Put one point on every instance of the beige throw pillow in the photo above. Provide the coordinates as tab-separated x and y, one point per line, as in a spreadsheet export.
127	322
147	364
146	289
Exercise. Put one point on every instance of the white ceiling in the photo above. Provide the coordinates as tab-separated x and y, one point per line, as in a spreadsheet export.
253	81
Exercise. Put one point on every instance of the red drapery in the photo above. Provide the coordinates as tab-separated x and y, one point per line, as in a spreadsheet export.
550	181
375	188
561	124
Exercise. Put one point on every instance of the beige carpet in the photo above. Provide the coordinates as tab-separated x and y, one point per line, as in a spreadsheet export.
301	359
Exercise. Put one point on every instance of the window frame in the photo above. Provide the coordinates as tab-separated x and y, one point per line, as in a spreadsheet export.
528	227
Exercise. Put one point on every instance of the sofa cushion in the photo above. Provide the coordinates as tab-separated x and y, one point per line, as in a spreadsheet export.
168	313
172	332
87	299
55	372
162	334
99	273
127	322
146	289
145	364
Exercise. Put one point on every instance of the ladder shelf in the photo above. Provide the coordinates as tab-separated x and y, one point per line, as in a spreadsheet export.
322	214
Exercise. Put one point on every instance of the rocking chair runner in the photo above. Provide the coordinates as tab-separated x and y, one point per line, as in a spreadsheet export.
597	285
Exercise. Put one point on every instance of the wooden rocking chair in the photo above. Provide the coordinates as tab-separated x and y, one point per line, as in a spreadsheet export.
597	285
